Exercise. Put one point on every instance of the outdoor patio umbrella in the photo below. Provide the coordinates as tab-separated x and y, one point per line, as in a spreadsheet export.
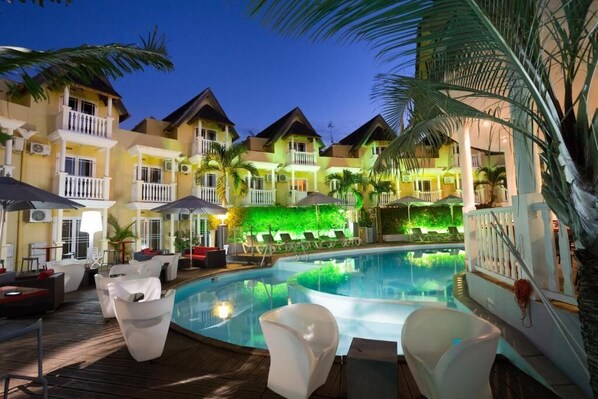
18	196
193	205
451	201
409	202
316	199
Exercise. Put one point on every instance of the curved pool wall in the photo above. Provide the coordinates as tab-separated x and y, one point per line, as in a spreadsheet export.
363	317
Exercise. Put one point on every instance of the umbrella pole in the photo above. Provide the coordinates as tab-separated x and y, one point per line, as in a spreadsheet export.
452	216
191	238
2	223
318	221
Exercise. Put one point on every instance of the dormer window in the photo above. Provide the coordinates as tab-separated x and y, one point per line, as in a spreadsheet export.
377	150
299	147
85	107
206	134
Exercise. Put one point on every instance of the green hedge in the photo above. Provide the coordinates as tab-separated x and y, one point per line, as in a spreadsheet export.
395	220
284	220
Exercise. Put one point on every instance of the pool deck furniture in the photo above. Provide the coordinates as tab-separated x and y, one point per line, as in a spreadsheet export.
252	244
290	244
372	369
344	240
52	283
241	373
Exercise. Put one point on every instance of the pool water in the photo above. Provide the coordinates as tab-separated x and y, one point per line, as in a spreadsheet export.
370	293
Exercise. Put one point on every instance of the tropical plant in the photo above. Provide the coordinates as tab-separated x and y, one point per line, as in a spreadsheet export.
227	162
379	187
347	183
537	57
493	177
119	233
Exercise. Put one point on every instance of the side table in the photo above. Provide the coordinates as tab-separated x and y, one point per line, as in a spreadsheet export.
372	369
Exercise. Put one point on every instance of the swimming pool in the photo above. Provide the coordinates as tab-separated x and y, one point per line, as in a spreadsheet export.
370	292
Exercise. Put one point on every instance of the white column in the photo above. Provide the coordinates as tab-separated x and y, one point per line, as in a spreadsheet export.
315	181
104	243
293	199
106	162
109	105
171	243
139	161
8	153
138	230
172	172
62	155
65	96
249	190
466	169
273	182
510	168
198	138
227	139
439	189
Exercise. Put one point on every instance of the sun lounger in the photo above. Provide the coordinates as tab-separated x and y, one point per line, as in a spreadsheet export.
289	243
252	244
344	240
418	235
454	234
270	244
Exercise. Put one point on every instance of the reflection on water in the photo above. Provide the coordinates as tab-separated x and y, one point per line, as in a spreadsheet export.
227	308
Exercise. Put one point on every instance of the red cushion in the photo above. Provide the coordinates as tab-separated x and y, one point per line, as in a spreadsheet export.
2	270
197	250
146	251
45	274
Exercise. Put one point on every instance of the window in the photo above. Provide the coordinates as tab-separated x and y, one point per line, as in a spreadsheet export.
300	185
150	174
423	185
206	134
209	180
455	149
76	166
74	240
257	183
377	150
334	184
85	107
151	233
299	147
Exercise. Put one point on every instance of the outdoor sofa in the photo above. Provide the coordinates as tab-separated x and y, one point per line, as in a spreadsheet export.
208	257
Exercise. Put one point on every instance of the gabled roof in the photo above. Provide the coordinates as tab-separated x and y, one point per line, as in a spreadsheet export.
376	129
204	106
100	85
293	123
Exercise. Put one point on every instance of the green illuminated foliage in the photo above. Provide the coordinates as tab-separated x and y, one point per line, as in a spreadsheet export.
325	278
438	218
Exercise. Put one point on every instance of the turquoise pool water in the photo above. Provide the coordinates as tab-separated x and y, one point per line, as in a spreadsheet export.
370	292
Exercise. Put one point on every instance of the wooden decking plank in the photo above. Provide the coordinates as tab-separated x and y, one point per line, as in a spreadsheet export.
408	377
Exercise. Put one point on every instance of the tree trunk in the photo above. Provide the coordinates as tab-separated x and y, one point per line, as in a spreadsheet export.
588	310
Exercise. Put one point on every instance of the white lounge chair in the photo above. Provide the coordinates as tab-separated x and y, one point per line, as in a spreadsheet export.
103	296
173	265
73	272
144	324
450	353
135	269
302	340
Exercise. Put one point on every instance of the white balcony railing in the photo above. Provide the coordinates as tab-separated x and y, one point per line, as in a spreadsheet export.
301	158
153	192
476	160
490	256
296	195
350	199
261	197
79	122
208	194
202	146
429	196
82	187
387	198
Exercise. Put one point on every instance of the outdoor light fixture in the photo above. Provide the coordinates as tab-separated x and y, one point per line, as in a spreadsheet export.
91	223
224	310
222	217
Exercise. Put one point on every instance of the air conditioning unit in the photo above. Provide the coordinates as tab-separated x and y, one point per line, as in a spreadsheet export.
171	216
269	178
39	149
185	168
168	165
406	178
282	178
183	216
40	216
448	180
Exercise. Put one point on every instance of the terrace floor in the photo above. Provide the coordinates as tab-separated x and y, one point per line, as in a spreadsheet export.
85	357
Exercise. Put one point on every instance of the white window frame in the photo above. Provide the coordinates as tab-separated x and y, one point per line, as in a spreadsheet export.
78	241
204	179
294	185
148	169
79	103
297	145
77	159
146	236
420	184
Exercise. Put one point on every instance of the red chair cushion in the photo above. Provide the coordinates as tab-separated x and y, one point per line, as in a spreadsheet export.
2	270
45	274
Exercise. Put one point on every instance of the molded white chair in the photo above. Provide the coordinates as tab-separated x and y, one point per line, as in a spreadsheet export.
450	353
103	294
144	324
148	268
173	265
73	272
302	340
125	268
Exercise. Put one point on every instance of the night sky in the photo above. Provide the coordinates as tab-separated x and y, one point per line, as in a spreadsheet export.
257	75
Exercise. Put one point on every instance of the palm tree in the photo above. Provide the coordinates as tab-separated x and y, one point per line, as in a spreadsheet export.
347	183
537	57
227	162
119	233
380	187
492	176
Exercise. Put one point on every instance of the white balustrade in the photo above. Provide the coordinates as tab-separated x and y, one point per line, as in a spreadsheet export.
81	187
297	195
491	256
207	194
87	124
156	192
301	158
429	196
261	197
203	146
387	198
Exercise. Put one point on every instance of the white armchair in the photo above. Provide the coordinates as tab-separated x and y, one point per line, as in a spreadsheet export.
73	272
106	303
450	353
144	324
135	269
173	265
302	340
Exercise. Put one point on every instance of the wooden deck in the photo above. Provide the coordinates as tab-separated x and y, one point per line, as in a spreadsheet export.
85	357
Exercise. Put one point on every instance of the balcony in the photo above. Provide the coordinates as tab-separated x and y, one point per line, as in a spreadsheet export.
296	195
261	197
79	122
387	198
82	187
208	194
202	146
152	192
349	200
476	160
301	158
429	196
